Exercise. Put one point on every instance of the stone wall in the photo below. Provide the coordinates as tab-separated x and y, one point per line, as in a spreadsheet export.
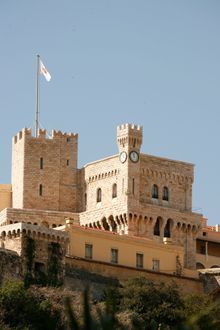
44	171
50	219
186	285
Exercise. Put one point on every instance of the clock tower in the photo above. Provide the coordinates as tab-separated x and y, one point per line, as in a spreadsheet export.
129	138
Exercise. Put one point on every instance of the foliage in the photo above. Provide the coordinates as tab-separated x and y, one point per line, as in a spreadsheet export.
29	253
54	264
20	309
139	304
153	305
105	320
201	313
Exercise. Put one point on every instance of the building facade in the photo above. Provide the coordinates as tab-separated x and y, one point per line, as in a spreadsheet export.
130	209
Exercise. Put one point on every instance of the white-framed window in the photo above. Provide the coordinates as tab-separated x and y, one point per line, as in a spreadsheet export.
139	260
156	265
114	256
88	251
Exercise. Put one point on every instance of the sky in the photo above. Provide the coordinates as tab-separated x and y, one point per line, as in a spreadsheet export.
154	63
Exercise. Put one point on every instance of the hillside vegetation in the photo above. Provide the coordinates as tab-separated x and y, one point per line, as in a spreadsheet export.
136	304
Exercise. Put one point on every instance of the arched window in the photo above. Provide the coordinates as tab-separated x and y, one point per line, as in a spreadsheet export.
157	227
199	266
165	194
154	192
167	229
99	195
114	190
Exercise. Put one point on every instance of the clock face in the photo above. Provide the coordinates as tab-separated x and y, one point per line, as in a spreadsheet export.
134	156
123	156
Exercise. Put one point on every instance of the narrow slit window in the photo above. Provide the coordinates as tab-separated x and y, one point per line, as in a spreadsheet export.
41	163
133	186
99	195
114	190
40	190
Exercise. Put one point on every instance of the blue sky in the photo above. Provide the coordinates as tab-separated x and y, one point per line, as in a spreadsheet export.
154	63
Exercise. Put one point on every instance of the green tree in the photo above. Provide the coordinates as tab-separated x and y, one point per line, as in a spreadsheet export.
21	309
153	305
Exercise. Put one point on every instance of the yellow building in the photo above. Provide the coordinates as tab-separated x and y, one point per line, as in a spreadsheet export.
131	209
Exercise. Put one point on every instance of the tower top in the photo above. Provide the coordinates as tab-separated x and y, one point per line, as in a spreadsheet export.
42	134
129	135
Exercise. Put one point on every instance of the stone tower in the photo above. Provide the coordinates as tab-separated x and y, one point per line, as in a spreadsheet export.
44	171
129	138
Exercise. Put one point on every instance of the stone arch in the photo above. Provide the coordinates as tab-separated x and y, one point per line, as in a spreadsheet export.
105	224
113	223
215	266
45	224
199	265
168	228
157	226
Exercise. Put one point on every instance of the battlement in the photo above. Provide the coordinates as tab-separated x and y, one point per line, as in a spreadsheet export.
42	134
129	128
64	135
130	134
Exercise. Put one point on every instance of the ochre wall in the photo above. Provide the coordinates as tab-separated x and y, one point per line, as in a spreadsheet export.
127	247
5	196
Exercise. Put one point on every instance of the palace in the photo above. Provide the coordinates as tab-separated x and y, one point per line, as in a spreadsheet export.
124	214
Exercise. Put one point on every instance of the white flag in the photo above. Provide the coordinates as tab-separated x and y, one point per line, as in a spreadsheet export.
44	71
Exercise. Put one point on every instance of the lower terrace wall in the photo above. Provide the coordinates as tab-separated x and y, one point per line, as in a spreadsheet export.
186	285
49	219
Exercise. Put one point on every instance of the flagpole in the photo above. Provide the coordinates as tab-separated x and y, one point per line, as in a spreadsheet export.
37	96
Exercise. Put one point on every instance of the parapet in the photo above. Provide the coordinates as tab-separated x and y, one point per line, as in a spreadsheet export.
64	135
130	133
130	127
42	134
25	132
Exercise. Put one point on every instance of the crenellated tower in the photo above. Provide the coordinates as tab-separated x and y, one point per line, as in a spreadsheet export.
129	138
44	171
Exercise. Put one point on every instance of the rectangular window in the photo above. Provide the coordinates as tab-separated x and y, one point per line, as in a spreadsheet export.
41	163
88	251
156	265
40	190
114	256
133	186
67	162
139	260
